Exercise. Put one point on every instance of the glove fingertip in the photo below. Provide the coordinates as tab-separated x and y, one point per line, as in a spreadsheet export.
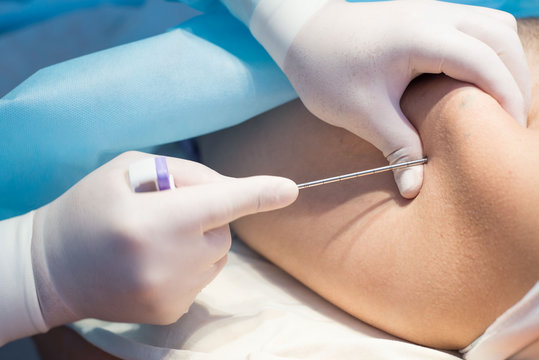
518	110
409	181
283	193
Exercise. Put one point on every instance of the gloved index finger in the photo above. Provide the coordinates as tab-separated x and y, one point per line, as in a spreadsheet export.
219	203
468	58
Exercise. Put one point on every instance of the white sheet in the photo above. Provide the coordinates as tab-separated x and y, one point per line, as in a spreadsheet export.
253	310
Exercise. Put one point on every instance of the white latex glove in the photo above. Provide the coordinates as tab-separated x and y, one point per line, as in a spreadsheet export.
351	62
103	251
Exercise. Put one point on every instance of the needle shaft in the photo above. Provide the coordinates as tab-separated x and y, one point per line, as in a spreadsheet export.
362	173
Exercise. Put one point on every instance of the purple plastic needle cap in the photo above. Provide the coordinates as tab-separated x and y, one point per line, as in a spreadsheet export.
162	173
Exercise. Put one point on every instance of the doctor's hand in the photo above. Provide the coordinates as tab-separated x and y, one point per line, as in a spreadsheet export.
351	62
103	251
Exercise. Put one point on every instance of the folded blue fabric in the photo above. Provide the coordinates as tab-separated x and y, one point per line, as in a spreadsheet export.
67	119
17	15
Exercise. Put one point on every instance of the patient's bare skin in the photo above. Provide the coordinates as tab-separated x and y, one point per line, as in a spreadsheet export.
437	270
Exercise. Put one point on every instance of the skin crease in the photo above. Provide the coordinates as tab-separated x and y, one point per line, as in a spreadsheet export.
437	270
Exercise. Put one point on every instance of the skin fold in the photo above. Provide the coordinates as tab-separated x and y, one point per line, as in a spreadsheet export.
436	270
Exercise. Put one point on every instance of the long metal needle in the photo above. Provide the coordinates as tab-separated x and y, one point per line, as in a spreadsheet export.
362	173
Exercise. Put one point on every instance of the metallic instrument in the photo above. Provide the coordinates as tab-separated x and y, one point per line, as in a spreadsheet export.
362	173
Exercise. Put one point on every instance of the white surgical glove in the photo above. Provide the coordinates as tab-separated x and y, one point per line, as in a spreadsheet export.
103	251
351	62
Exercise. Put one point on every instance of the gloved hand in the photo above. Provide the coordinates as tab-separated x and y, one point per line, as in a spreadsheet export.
351	62
103	251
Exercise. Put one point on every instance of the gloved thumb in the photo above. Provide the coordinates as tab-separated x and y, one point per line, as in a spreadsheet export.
395	136
409	180
219	203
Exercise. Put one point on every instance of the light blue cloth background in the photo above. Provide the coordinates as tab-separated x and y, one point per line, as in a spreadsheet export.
17	14
67	119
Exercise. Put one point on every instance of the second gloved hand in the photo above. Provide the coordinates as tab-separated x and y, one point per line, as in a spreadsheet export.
351	62
103	251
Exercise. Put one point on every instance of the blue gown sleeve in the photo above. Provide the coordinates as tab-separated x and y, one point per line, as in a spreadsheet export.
241	9
201	5
67	119
15	15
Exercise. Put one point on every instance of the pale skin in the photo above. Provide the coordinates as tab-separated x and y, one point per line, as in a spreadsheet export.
436	270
